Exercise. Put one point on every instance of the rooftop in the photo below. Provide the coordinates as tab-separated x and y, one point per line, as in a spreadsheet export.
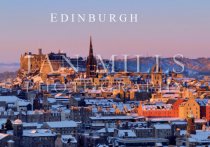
111	117
62	124
2	135
200	136
17	122
162	126
38	132
9	99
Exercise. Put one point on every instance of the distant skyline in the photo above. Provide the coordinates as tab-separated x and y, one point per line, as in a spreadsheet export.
164	27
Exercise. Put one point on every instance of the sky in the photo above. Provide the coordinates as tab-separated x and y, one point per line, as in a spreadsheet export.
164	27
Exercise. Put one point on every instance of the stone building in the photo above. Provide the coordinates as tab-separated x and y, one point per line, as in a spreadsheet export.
32	62
144	132
156	75
204	108
38	138
63	127
164	110
44	64
81	114
188	107
162	131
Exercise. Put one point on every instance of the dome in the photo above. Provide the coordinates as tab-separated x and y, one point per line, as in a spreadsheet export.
18	121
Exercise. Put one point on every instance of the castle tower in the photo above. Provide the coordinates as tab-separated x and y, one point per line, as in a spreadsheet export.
156	74
91	63
191	124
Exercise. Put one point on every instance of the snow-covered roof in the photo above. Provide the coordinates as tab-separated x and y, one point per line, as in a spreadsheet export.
171	95
62	124
103	130
158	119
202	102
17	121
143	128
130	133
111	117
51	100
2	135
9	99
179	122
65	138
23	103
200	136
200	121
94	91
38	132
2	121
162	126
37	125
157	106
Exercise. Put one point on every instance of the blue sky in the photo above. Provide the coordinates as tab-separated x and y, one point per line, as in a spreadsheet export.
165	27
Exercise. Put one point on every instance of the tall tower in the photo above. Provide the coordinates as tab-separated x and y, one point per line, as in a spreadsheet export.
156	74
191	124
91	64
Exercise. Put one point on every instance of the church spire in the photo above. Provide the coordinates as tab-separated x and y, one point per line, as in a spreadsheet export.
91	47
91	62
